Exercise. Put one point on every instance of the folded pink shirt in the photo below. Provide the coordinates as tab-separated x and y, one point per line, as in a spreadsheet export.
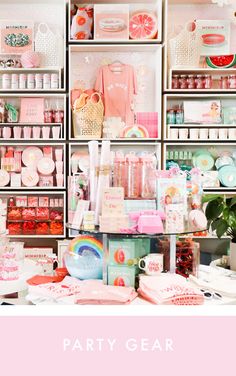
85	292
169	289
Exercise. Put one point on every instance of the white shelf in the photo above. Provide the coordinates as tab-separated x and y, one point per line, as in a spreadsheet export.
202	126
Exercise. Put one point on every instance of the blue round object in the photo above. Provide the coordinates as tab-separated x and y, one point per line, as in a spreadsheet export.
86	265
227	176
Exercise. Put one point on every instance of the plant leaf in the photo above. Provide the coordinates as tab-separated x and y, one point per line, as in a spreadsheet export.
214	224
208	198
233	202
214	209
221	228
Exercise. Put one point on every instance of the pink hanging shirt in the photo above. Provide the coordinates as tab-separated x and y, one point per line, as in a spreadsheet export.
118	89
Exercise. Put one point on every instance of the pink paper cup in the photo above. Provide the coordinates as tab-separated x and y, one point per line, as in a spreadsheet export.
46	132
36	132
17	132
27	132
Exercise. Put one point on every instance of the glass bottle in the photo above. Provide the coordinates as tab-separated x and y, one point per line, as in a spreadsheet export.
119	171
133	173
171	118
48	113
199	82
208	81
191	82
232	81
224	82
183	82
175	81
148	176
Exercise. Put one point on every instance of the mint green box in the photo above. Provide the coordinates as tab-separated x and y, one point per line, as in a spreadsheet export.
121	251
124	276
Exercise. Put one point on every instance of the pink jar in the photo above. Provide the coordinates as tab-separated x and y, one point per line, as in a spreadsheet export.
148	176
224	82
232	81
175	81
48	116
133	176
183	82
119	172
191	82
199	82
208	82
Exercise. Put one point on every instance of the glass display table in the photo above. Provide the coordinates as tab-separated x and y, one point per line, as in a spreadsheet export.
107	235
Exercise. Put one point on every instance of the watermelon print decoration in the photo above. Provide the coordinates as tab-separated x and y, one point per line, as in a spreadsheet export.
224	61
143	25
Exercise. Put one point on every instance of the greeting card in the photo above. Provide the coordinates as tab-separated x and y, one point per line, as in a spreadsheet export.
16	37
215	36
32	110
171	191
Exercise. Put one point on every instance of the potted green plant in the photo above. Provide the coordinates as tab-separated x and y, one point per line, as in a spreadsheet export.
221	216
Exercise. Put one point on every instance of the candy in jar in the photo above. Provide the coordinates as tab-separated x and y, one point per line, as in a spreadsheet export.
175	81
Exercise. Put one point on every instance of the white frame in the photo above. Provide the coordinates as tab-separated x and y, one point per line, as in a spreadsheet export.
219	190
184	96
126	49
159	8
39	193
64	68
35	95
55	188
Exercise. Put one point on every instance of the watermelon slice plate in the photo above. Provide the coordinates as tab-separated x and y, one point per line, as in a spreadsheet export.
221	62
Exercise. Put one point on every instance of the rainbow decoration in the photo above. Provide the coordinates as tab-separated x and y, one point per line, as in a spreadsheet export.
84	242
135	131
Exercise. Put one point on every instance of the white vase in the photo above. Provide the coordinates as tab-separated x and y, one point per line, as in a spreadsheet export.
233	256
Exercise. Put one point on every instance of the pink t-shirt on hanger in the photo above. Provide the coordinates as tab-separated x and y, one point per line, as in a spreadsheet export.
118	88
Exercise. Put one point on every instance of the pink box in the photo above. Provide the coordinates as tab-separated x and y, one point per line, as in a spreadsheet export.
32	110
150	121
111	22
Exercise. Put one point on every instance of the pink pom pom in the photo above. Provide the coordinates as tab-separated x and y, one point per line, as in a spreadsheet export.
30	59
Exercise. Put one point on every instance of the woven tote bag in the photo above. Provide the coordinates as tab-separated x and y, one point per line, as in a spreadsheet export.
49	45
88	120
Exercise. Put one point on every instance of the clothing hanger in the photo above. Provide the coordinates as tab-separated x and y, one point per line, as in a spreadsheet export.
116	66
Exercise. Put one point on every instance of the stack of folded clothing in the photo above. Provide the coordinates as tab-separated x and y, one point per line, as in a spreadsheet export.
169	289
74	291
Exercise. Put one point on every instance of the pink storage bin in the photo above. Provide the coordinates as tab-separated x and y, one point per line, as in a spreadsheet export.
150	121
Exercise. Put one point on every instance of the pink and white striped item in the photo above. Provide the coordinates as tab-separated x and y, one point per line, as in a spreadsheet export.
150	121
169	289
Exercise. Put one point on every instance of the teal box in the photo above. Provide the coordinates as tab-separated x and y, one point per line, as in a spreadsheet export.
121	251
124	276
145	246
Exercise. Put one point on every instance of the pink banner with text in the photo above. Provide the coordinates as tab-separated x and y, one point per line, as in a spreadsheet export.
117	346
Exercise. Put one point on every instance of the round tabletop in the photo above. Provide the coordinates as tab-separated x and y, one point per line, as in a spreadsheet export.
29	270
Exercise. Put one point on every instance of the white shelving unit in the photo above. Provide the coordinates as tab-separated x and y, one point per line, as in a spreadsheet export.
146	59
52	98
53	194
53	13
54	146
176	99
26	71
135	5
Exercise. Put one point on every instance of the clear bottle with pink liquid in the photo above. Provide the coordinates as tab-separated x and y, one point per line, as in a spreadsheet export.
133	176
147	176
119	171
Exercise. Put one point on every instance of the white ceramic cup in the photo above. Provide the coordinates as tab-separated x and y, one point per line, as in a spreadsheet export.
213	134
183	133
194	134
232	133
203	133
174	133
36	132
152	264
223	133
